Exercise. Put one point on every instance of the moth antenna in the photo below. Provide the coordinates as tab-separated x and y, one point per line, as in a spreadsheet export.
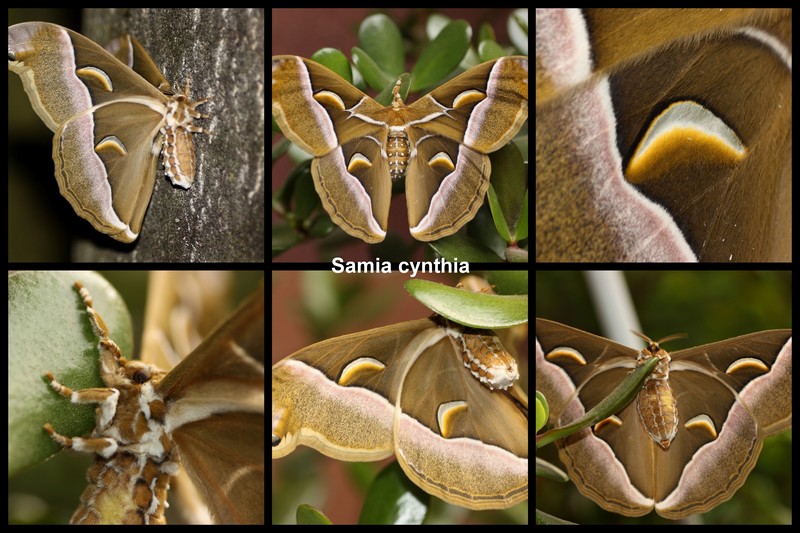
664	339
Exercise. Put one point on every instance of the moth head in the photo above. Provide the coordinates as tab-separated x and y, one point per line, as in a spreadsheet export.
119	371
397	100
140	373
653	347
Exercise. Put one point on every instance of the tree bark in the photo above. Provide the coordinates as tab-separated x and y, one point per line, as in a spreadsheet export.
221	217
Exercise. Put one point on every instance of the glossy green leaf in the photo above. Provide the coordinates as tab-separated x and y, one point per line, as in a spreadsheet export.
380	38
442	55
336	61
542	411
473	309
309	515
394	499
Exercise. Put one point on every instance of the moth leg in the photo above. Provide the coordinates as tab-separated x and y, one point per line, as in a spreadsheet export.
95	395
99	327
103	447
106	346
106	397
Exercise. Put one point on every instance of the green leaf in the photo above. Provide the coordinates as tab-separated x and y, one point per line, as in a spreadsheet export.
442	55
522	223
508	189
489	50
497	214
394	499
307	514
335	60
550	471
518	30
473	309
462	248
380	38
542	411
372	72
48	331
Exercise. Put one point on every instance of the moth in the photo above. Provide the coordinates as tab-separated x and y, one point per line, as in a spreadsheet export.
112	114
440	143
440	396
183	308
206	414
663	135
692	435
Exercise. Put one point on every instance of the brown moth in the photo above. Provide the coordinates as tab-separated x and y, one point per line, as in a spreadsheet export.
207	413
440	396
440	143
112	113
694	432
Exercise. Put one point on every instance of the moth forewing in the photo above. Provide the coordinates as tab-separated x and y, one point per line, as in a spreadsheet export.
130	52
606	64
302	381
225	456
183	307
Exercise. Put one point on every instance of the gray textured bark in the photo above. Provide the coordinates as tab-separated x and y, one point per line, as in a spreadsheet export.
221	218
